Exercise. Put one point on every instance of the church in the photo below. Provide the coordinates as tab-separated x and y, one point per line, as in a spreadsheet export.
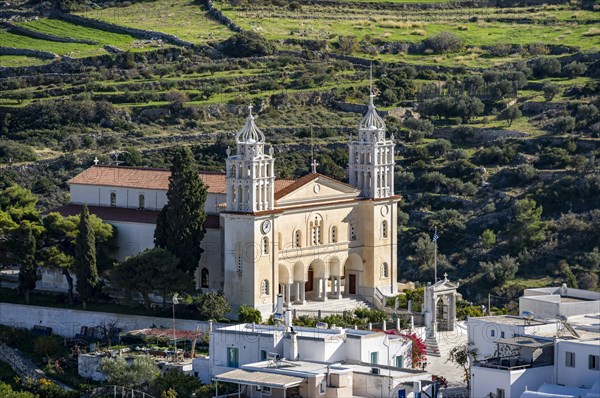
309	239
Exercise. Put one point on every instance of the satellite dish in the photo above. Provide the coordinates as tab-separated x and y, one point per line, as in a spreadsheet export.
527	315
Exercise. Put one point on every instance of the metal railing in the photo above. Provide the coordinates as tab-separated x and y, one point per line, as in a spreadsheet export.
118	392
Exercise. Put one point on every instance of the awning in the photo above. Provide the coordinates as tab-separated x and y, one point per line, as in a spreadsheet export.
261	379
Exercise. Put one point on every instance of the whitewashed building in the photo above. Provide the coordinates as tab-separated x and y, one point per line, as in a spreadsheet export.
556	356
313	238
313	361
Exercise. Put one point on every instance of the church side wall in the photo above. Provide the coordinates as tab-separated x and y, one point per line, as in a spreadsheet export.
133	238
128	198
212	260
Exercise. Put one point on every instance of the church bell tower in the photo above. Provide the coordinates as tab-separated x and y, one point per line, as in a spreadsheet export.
371	164
250	172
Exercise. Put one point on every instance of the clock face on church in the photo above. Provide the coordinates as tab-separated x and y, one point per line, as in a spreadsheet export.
265	227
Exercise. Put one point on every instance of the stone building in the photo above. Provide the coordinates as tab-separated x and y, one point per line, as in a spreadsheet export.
313	238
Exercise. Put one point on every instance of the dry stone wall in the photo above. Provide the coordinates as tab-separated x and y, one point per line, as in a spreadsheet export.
110	27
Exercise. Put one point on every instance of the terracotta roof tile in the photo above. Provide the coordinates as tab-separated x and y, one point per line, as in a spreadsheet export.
141	177
149	178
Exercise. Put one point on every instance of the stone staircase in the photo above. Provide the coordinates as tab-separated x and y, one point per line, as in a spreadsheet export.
432	347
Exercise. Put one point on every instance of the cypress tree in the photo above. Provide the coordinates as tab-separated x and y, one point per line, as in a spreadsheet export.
85	258
180	224
26	253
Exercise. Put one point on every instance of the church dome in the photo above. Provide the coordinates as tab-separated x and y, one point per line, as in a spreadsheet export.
250	134
371	121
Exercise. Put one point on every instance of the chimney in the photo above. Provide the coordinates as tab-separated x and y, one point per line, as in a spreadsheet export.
290	348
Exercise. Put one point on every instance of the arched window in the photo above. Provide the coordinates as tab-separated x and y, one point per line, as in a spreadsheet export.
297	238
334	234
141	201
265	245
384	229
264	288
204	277
113	199
316	228
384	270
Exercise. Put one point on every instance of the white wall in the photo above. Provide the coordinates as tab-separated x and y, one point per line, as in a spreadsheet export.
580	375
529	379
480	332
133	238
128	198
67	323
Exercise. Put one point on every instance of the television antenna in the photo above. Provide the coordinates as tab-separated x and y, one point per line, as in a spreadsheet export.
114	157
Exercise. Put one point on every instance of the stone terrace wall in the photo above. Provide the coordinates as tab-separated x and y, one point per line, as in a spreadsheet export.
109	27
22	366
44	36
27	52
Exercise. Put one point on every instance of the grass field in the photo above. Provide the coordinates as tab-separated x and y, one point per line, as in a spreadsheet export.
391	26
65	29
68	30
183	18
18	60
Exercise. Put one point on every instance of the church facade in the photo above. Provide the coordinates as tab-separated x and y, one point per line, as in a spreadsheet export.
314	238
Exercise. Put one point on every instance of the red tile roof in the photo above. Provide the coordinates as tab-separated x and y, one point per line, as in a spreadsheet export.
149	178
141	177
127	215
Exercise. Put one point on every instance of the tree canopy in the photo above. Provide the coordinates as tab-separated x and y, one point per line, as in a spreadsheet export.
180	224
85	258
153	270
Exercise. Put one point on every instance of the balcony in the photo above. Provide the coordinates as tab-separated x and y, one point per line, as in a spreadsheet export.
520	352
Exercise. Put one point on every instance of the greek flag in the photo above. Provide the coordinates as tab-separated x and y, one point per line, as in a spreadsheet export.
435	236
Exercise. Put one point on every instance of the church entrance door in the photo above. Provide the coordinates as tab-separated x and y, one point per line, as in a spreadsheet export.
352	283
309	283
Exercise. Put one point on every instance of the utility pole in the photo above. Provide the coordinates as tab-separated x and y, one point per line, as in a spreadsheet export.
175	301
489	304
435	238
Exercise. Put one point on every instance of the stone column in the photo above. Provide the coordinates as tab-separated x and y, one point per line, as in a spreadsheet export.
319	294
324	281
303	292
297	292
339	287
288	295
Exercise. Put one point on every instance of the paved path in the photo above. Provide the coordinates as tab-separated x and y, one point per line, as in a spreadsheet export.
440	365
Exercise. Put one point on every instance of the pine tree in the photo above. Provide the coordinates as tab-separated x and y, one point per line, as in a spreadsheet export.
180	224
26	253
85	258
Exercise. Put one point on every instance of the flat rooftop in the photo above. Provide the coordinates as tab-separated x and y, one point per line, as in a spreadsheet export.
510	320
302	332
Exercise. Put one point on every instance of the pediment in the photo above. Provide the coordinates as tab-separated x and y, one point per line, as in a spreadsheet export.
315	188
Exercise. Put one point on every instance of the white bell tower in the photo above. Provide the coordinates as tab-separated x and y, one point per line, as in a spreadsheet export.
371	161
250	173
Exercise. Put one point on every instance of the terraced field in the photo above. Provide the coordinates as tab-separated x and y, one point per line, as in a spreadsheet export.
183	18
60	28
479	28
18	60
63	29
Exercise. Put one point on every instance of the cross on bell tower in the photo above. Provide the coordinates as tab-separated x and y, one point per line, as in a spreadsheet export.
314	165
